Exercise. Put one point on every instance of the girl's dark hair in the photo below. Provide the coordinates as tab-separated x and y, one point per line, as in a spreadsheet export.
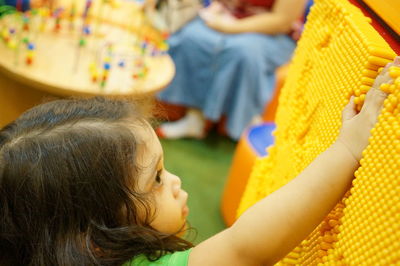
67	187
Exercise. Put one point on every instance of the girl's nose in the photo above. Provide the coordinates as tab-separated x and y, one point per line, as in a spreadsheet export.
176	185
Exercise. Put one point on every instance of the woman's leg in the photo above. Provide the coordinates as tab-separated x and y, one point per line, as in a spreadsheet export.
244	80
222	74
193	49
192	125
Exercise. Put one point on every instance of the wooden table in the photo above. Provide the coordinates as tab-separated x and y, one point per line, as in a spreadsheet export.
61	67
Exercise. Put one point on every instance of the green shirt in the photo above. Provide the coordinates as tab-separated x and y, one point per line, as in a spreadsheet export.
174	259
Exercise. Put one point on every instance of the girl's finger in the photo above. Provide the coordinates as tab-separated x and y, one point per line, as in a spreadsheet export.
396	61
373	102
375	96
349	110
383	77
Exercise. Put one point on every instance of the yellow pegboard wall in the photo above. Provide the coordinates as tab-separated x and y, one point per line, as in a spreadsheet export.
338	55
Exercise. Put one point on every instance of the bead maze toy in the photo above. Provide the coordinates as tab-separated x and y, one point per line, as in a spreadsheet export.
85	47
338	55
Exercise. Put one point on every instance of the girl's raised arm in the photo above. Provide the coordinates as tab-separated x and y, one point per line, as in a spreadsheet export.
275	225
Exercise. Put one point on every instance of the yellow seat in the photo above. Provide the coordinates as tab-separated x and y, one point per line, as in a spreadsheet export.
245	157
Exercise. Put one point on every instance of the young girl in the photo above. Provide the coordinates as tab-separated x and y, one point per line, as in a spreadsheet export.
82	182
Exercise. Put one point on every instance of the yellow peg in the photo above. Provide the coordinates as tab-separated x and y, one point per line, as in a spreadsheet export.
379	61
362	98
12	44
381	52
397	82
385	87
367	81
92	66
394	72
369	73
364	89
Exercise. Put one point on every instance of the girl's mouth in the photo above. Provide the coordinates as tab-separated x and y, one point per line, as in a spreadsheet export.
185	210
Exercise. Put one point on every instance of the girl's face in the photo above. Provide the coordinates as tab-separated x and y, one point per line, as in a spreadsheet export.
170	207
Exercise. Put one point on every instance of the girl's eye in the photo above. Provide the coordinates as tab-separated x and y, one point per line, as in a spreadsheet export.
158	178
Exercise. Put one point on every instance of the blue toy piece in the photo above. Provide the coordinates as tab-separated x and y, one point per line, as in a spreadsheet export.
206	3
31	46
121	64
260	137
107	66
86	30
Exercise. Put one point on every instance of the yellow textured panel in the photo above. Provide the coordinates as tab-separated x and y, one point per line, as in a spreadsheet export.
338	55
388	10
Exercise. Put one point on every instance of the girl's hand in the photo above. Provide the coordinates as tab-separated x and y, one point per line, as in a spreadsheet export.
356	128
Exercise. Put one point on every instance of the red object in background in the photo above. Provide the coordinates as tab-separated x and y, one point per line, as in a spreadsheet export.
165	35
19	5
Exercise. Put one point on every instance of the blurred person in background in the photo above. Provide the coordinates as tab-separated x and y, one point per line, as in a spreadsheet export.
225	62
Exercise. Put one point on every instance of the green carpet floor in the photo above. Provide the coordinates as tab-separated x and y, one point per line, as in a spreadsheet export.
203	167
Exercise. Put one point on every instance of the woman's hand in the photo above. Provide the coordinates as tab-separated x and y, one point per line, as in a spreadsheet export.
217	17
38	3
356	128
224	25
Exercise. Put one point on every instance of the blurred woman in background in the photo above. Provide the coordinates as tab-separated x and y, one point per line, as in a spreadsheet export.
225	63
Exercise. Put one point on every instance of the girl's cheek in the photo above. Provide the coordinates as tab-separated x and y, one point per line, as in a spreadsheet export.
158	188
